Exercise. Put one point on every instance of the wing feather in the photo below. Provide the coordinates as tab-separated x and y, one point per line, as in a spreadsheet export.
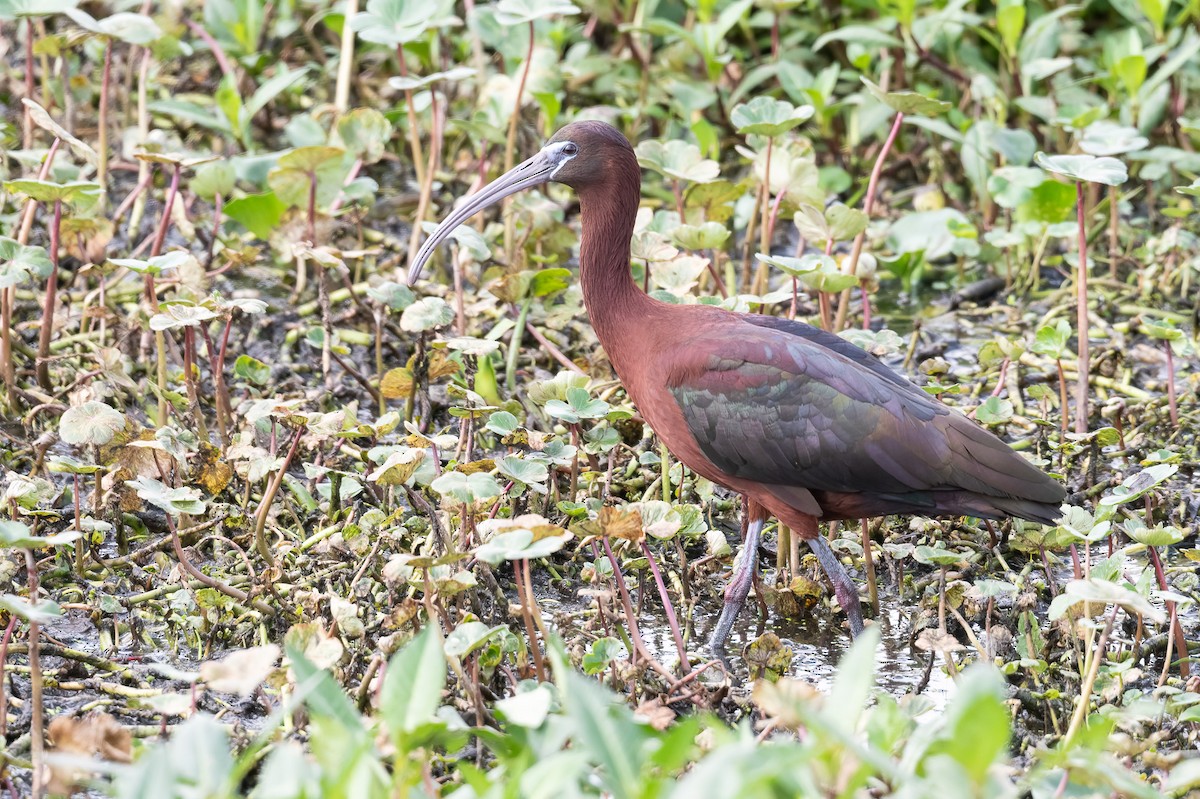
794	408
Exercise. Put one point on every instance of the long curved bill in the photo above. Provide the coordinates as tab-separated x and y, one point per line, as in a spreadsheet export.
538	169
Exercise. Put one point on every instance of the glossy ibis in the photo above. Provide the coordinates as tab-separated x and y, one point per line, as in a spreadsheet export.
804	424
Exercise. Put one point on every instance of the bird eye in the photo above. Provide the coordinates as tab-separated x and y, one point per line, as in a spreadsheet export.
571	148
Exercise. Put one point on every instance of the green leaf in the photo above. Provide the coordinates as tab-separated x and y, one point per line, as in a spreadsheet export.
908	102
258	213
16	9
252	370
994	410
396	22
1010	186
677	159
1135	485
977	728
42	612
766	116
467	488
603	652
1102	592
546	282
365	132
468	636
14	534
77	192
700	237
411	82
292	179
412	689
19	262
854	677
936	556
1158	536
866	37
123	25
181	314
395	296
217	177
606	732
171	500
1090	168
426	313
93	423
519	544
527	709
530	473
1052	341
520	12
1193	190
270	89
1010	21
1110	138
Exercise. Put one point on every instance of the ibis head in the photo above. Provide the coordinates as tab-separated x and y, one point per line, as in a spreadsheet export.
578	156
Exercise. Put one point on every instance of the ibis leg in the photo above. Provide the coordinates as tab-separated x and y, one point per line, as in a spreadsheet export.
843	587
739	587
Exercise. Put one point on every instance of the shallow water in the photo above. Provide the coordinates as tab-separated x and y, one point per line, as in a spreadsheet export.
817	645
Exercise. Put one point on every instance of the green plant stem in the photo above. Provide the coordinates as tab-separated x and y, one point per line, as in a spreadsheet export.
426	192
7	296
514	346
1081	319
47	329
510	145
764	242
102	126
414	135
345	73
27	119
869	562
144	168
36	704
868	206
1171	400
1089	680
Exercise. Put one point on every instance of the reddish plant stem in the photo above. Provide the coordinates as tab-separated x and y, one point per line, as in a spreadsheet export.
1181	647
8	631
527	616
47	329
218	377
260	524
868	207
1171	401
672	620
165	224
639	645
1081	319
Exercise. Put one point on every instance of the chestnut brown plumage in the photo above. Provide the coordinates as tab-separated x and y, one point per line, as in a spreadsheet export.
807	426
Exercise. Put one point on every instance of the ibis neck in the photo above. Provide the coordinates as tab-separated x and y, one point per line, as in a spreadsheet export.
613	299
